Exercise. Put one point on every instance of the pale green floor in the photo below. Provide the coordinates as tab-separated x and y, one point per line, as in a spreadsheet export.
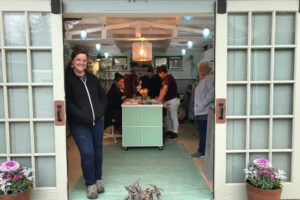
171	169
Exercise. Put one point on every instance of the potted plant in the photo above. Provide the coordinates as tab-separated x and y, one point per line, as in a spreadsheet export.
136	192
263	182
15	181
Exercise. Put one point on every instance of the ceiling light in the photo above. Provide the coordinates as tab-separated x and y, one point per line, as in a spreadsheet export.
206	33
83	34
189	44
188	17
183	52
98	47
106	54
141	51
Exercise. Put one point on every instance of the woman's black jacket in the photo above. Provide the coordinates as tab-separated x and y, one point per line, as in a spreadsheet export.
79	110
114	96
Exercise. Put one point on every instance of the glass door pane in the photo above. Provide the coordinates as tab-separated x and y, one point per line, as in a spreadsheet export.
284	64
3	138
18	102
16	64
260	68
14	28
42	66
40	27
20	138
237	29
285	28
261	29
1	103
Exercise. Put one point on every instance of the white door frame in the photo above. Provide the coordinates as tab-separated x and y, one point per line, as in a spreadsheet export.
232	191
56	48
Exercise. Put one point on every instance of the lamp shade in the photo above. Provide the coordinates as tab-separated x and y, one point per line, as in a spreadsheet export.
141	51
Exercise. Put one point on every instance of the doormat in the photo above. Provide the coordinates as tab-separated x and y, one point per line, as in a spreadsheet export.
171	169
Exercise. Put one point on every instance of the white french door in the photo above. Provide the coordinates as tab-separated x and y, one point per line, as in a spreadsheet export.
31	79
258	73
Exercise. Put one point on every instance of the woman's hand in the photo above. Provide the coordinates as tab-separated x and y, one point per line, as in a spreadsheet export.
123	98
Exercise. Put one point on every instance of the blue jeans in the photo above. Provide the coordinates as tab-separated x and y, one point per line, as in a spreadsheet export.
89	142
202	127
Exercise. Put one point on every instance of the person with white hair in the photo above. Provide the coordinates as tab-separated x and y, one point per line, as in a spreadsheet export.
202	99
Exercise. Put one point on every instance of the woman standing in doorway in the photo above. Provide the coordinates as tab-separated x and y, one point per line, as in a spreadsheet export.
86	103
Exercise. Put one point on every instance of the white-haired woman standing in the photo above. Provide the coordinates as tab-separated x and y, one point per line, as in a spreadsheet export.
202	99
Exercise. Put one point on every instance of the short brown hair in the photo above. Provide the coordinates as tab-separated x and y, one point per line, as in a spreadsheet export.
162	68
77	51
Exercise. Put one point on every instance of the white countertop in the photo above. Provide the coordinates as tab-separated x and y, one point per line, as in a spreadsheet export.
132	102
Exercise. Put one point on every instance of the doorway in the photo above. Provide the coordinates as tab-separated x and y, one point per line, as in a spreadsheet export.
169	36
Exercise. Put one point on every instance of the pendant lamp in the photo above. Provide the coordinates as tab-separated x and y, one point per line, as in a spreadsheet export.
141	51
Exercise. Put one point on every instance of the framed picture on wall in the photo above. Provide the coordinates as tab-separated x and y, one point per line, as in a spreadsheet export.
175	63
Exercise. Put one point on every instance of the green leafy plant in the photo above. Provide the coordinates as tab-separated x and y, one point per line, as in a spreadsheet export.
14	178
262	175
136	192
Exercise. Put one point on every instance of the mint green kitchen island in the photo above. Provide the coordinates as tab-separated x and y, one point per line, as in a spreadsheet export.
142	124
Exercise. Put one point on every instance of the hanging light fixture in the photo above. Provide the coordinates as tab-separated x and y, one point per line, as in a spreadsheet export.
206	34
141	51
189	44
98	47
106	54
83	34
183	52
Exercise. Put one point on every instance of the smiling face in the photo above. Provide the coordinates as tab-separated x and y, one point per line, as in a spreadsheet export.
80	63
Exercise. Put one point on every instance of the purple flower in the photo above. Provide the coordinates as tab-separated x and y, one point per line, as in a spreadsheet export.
7	176
262	163
272	178
16	178
9	166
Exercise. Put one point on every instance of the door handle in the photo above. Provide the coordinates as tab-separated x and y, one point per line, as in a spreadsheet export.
59	110
221	111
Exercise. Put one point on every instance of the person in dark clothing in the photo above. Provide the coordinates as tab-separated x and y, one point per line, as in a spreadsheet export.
115	98
130	83
85	105
152	82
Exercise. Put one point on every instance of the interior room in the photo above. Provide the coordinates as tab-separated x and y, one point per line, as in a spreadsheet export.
178	41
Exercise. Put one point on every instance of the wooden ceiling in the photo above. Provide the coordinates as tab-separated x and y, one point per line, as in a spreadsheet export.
119	32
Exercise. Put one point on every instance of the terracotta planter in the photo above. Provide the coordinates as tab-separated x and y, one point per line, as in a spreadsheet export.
259	194
20	196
